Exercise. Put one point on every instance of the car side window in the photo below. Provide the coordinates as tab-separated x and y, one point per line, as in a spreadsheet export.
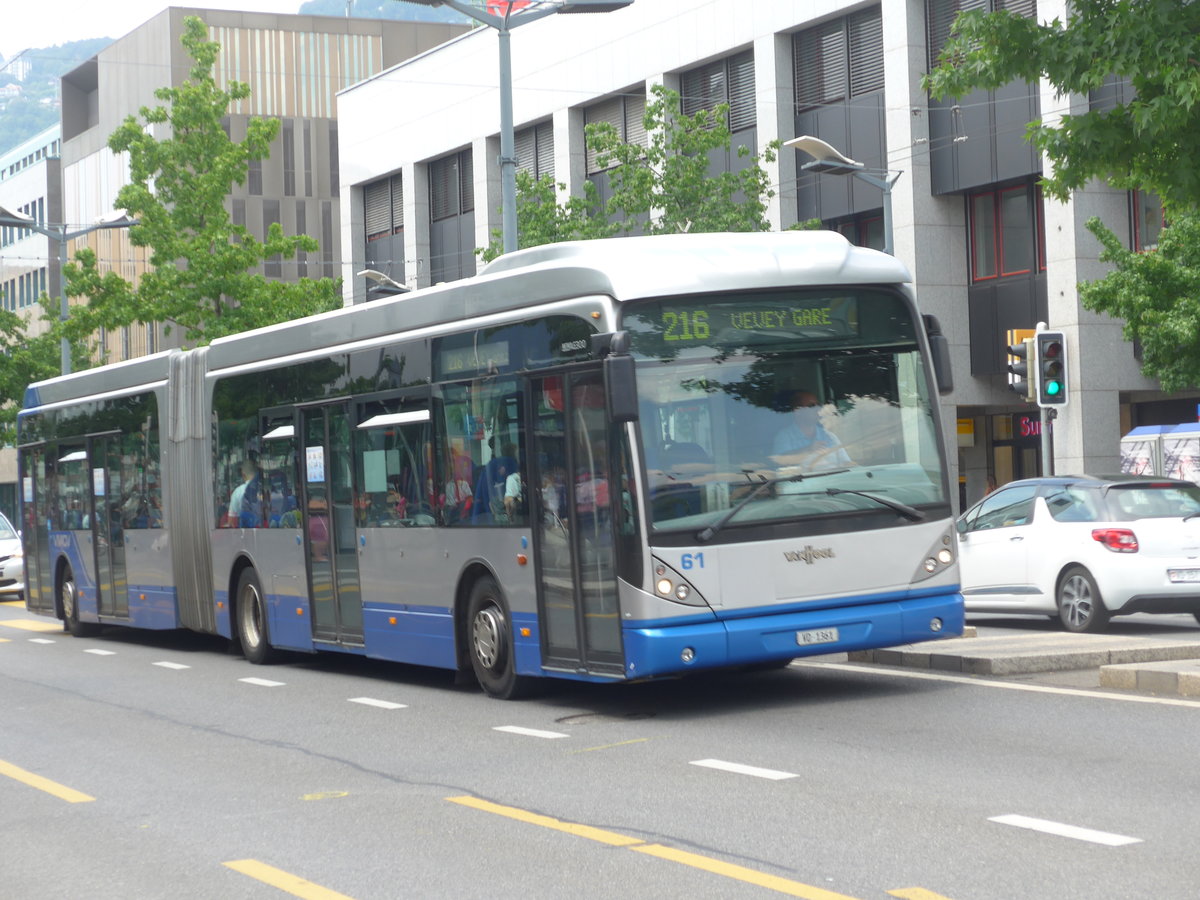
1005	508
1068	504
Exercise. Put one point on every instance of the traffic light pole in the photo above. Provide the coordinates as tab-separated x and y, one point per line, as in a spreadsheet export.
1048	416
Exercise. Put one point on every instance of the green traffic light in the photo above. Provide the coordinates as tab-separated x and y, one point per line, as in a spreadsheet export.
1052	388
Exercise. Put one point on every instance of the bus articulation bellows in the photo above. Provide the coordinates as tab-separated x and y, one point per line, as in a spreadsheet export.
606	461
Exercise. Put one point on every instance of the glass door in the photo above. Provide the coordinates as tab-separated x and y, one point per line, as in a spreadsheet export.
328	521
35	499
108	537
574	527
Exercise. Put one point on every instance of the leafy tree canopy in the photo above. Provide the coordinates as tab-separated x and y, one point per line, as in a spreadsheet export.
663	187
202	279
1144	143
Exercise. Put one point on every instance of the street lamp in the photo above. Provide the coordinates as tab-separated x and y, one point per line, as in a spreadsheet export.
385	282
507	15
63	235
829	160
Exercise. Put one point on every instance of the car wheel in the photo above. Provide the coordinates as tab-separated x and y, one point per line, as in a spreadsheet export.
252	631
68	594
1080	606
491	643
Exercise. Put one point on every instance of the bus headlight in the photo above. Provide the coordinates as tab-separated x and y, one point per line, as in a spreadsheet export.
670	585
939	557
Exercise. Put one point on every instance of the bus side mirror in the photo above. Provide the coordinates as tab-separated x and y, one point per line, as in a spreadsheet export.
620	379
939	349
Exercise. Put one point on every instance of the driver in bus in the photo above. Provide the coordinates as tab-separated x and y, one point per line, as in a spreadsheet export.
804	440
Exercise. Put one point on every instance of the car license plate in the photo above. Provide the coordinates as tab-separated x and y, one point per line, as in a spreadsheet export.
817	636
1183	576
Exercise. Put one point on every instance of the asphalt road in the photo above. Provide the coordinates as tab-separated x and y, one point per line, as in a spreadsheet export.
139	765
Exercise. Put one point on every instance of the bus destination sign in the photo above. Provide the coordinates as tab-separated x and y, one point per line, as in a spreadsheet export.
823	318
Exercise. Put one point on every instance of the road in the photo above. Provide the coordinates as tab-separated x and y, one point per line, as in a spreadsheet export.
143	765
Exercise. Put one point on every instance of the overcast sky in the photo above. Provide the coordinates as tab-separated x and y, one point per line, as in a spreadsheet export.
47	23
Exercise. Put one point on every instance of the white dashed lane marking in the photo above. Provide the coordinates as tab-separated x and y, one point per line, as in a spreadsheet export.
529	732
381	704
98	652
738	768
1069	831
40	641
171	665
262	682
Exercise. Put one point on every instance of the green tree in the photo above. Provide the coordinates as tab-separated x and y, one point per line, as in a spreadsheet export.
1154	46
201	279
663	187
23	360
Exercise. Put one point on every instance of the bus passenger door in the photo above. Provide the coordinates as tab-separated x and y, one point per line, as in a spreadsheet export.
329	527
108	538
35	539
574	526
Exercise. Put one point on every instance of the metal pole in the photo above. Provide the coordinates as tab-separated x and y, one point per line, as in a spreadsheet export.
888	242
1047	443
64	306
508	159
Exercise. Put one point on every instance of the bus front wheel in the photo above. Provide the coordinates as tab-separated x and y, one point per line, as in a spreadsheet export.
491	643
68	595
252	630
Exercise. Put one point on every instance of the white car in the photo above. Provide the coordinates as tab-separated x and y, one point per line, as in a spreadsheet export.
1083	548
12	562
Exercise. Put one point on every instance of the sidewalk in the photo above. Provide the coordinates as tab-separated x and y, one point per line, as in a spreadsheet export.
1159	665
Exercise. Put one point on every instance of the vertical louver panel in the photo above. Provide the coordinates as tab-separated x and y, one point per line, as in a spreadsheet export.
525	151
610	111
377	212
1025	8
865	34
397	203
819	57
704	88
939	16
635	118
741	92
443	188
466	182
544	138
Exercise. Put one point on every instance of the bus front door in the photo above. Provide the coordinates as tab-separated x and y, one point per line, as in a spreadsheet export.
108	536
329	525
36	500
569	462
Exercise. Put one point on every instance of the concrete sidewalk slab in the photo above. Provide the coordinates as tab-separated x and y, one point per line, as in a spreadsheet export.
1181	677
1030	653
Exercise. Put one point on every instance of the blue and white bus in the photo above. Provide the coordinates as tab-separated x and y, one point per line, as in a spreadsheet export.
606	461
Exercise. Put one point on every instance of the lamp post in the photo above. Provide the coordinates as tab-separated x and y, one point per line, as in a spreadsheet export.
829	160
63	235
508	15
385	282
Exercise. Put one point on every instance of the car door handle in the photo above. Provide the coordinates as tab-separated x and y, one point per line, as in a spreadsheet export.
1017	537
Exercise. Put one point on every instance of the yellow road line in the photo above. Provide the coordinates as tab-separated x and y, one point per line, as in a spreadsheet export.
32	625
19	604
916	894
696	861
285	881
43	784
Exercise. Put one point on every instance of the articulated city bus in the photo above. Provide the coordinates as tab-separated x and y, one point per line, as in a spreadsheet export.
607	461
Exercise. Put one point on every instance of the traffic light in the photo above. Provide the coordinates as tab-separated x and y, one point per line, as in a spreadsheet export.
1052	369
1022	364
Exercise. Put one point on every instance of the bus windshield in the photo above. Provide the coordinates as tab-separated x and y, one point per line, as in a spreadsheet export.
786	404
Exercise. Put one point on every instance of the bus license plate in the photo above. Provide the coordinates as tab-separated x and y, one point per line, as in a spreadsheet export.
817	636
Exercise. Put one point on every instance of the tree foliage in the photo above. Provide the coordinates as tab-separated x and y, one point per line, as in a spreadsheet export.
1144	143
23	360
202	278
663	187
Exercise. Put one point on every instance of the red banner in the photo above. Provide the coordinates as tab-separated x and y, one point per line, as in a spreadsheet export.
502	7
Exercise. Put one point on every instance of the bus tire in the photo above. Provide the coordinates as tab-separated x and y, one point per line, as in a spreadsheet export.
253	634
490	641
68	595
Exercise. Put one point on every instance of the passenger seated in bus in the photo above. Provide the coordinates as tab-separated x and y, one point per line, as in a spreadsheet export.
245	503
318	527
804	441
514	499
457	498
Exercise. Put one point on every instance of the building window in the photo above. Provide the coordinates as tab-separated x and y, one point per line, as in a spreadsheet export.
1148	220
451	186
1006	232
535	150
289	157
729	81
940	15
383	207
254	181
839	59
626	112
863	230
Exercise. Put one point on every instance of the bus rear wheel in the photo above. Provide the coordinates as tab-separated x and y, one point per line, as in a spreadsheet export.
68	595
491	643
251	612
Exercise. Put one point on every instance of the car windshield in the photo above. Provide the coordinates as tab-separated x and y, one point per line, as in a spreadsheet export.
7	532
739	394
1152	501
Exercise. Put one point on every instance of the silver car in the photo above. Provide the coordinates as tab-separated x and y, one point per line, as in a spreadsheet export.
12	562
1083	548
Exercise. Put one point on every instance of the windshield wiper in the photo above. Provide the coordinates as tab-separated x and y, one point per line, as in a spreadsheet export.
914	515
708	533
